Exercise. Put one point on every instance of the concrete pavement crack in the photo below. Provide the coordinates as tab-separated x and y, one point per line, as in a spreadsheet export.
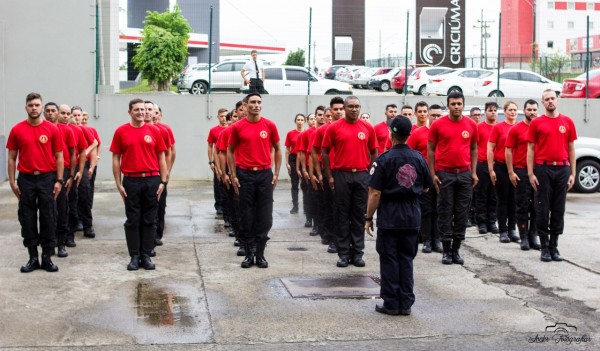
212	330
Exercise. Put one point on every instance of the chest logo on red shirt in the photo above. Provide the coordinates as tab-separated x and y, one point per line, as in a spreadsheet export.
465	134
263	134
361	136
148	139
43	139
562	129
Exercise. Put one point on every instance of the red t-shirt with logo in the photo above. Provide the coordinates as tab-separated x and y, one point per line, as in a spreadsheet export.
418	140
453	141
352	143
213	134
383	135
517	141
82	142
36	146
69	141
483	135
164	134
498	136
223	140
253	141
89	136
169	130
551	137
138	148
303	142
317	143
291	139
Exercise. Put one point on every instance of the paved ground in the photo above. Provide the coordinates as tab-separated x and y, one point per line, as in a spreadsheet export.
199	298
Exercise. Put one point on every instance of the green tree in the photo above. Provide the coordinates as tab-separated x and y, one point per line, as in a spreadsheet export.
296	58
163	49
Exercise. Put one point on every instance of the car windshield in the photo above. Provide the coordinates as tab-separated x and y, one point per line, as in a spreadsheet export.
593	74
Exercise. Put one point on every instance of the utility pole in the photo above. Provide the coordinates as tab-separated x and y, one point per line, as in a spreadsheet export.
483	25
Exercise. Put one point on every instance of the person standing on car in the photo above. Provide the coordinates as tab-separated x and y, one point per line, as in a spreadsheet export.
516	162
452	156
496	158
35	149
485	199
256	74
398	179
551	169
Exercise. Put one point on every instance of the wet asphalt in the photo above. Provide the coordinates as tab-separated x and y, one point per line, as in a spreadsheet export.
199	298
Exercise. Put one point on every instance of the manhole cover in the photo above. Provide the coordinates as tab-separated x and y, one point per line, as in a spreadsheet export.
341	288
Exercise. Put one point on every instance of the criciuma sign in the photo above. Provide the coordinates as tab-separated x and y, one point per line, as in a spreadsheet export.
441	33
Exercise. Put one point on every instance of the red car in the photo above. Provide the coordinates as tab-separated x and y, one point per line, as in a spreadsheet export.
400	79
575	87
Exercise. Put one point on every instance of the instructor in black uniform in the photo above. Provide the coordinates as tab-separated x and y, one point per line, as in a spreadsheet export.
398	177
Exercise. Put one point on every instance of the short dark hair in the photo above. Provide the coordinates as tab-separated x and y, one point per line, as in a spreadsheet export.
238	105
421	104
133	102
253	51
390	105
336	100
455	95
33	96
351	97
530	102
320	108
51	104
228	116
474	109
406	106
251	95
300	114
491	104
221	110
435	107
148	102
77	108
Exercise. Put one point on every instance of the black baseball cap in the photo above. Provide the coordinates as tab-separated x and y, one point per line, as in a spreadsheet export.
400	125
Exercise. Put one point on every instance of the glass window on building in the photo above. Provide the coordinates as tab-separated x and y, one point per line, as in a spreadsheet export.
570	5
570	24
551	5
590	6
591	25
550	44
550	24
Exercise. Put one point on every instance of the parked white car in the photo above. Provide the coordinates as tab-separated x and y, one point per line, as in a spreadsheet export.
460	79
515	83
225	76
587	154
293	80
418	79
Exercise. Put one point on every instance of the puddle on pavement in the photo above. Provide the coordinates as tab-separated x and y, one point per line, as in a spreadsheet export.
160	307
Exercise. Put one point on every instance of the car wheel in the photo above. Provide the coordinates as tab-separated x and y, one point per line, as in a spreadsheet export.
496	93
399	91
332	92
587	178
199	88
454	90
385	86
423	90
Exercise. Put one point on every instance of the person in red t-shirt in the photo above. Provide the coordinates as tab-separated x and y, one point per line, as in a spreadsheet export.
38	146
551	169
254	177
308	169
428	200
302	170
84	201
516	162
213	135
291	140
355	145
475	115
64	112
485	195
505	192
381	129
62	201
452	156
84	121
170	160
139	157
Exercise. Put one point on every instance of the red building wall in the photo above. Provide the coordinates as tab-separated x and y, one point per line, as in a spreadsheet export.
516	30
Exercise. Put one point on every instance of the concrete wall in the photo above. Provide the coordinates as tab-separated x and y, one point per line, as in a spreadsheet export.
191	117
47	47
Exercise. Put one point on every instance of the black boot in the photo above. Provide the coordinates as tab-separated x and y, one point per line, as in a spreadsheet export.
544	242
147	263
47	264
553	246
70	241
249	259
426	246
134	264
241	250
62	251
261	262
534	240
504	237
426	233
33	262
455	254
294	209
493	227
524	234
314	231
512	235
447	253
